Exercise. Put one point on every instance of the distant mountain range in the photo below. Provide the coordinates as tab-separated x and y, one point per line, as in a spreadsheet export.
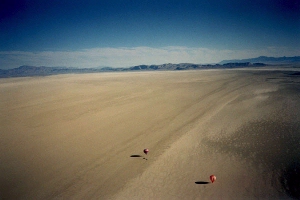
24	71
266	60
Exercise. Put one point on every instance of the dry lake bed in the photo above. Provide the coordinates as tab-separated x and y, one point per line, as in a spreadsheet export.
82	136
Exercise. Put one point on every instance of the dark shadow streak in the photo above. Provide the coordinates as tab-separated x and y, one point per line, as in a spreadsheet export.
135	156
202	182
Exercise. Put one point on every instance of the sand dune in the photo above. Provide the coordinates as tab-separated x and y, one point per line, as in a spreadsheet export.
82	136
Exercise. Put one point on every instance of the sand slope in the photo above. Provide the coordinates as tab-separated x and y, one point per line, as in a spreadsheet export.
72	136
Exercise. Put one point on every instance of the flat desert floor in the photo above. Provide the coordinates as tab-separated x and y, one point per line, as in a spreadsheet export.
82	136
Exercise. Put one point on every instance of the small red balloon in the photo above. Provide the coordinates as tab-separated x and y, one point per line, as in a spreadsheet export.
213	178
146	151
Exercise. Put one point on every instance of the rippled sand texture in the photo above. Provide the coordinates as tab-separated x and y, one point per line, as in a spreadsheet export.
82	136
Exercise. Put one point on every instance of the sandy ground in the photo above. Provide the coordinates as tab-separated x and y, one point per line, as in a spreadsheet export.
82	136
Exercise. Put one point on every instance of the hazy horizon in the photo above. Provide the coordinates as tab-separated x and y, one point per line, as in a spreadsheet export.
123	33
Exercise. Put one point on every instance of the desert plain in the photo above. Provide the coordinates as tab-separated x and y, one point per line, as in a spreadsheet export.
81	136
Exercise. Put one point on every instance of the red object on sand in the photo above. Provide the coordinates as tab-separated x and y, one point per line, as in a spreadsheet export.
213	178
146	151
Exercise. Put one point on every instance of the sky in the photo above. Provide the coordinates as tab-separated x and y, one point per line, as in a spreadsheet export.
124	33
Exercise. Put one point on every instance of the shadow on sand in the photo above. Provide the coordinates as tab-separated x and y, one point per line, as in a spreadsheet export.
202	182
135	156
290	180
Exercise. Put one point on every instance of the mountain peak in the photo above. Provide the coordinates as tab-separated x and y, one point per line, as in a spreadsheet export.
266	60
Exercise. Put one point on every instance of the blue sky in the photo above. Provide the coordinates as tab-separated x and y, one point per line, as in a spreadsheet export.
123	33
